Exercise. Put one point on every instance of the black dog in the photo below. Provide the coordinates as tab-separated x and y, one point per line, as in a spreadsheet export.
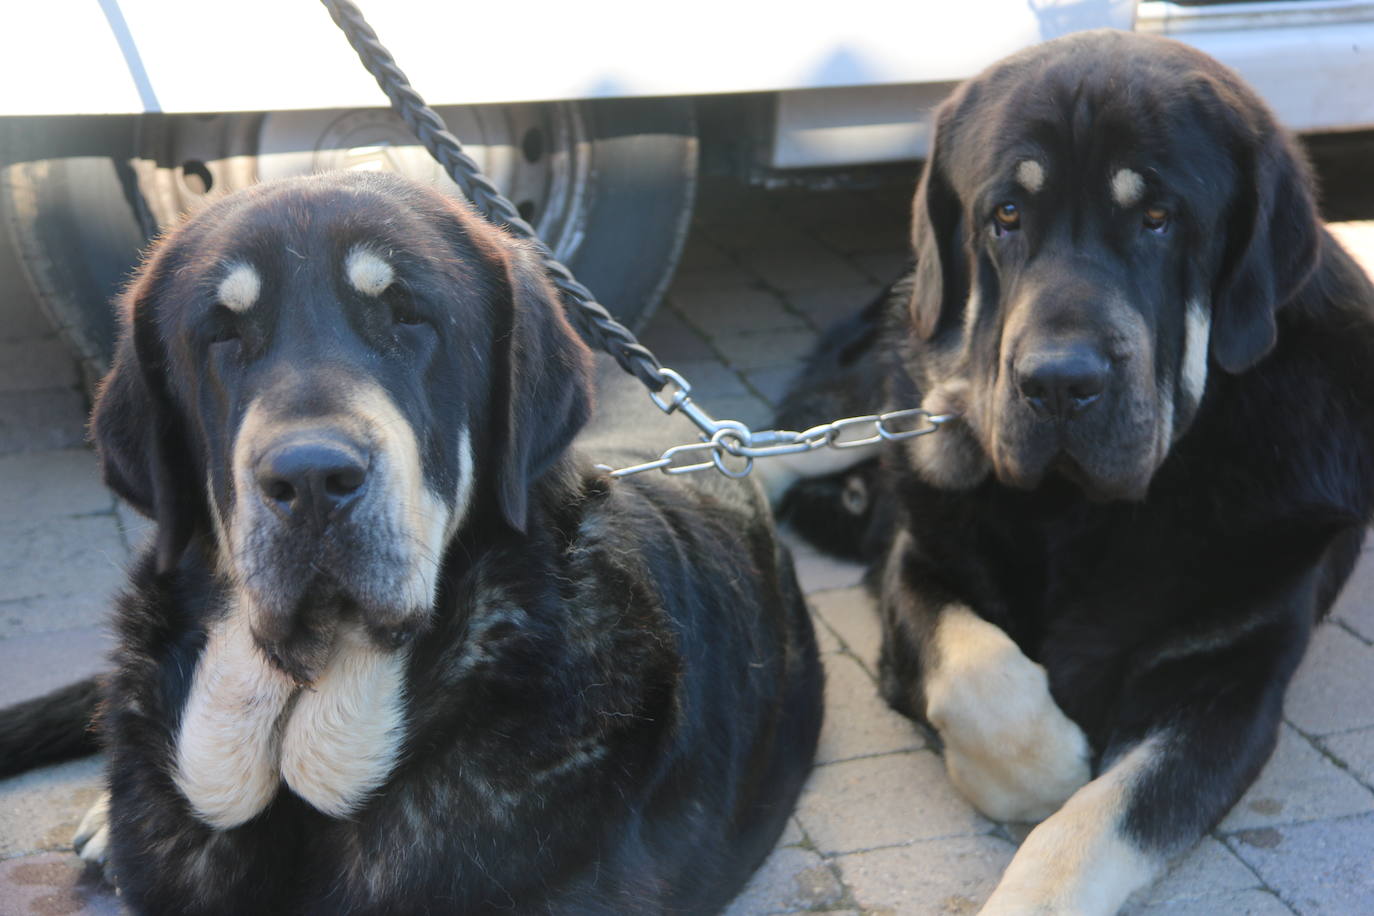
1102	577
396	648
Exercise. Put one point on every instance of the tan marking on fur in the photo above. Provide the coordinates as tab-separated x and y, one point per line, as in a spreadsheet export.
1008	747
416	513
248	512
1127	188
466	480
1165	410
1196	339
344	734
950	459
368	271
1079	860
1030	175
227	748
240	288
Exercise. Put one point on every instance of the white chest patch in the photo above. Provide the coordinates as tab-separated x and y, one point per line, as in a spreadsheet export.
368	271
344	734
1030	175
241	735
228	746
240	288
1008	747
1127	188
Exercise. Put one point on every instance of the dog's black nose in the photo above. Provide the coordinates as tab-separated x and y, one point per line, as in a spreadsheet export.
1062	382
312	476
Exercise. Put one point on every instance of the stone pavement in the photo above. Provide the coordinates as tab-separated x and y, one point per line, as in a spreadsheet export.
879	829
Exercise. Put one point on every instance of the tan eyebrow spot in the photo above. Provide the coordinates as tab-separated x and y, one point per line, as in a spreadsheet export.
1127	188
368	272
1030	175
240	288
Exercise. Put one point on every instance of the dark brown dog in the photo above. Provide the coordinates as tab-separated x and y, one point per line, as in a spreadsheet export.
1101	578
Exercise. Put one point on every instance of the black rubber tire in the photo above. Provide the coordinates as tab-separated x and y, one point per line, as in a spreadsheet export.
69	205
642	195
72	195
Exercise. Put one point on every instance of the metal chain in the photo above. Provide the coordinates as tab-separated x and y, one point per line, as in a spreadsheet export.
721	438
730	438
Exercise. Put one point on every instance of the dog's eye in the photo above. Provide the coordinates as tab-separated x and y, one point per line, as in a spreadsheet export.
402	307
1006	218
1156	219
222	325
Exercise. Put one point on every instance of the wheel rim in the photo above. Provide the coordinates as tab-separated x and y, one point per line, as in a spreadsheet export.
537	154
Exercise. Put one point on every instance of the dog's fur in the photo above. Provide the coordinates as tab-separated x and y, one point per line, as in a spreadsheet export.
1097	602
395	648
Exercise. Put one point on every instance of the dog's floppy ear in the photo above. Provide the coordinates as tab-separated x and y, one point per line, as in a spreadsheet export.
134	426
941	281
1272	241
544	389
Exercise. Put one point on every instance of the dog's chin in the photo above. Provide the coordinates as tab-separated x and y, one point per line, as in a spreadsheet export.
301	640
1098	481
1099	488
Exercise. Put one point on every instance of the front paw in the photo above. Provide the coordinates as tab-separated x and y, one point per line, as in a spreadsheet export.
92	839
1027	772
1009	748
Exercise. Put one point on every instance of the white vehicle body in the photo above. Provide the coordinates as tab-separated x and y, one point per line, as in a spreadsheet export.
854	82
116	116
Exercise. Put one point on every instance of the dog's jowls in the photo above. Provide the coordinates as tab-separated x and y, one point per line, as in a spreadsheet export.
396	648
1096	584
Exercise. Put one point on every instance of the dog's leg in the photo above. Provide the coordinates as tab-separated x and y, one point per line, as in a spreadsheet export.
1192	730
1081	860
1007	745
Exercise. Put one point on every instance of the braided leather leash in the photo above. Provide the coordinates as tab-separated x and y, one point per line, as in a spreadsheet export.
721	438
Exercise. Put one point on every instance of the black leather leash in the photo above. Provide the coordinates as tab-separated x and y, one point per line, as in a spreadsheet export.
720	439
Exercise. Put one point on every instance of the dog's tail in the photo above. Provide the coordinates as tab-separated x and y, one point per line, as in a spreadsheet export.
50	728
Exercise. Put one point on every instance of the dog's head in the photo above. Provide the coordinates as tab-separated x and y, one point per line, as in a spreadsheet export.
324	378
1102	220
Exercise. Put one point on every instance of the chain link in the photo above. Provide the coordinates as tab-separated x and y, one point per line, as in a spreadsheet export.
722	439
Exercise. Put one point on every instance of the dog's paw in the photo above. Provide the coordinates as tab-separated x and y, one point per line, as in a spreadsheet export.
1082	859
92	839
1009	748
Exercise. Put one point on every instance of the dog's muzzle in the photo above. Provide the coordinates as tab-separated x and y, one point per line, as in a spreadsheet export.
1068	405
332	524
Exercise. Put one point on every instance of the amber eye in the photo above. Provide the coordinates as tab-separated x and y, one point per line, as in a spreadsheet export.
1008	217
1156	219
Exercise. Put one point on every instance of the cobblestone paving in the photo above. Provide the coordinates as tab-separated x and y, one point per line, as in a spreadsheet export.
879	830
